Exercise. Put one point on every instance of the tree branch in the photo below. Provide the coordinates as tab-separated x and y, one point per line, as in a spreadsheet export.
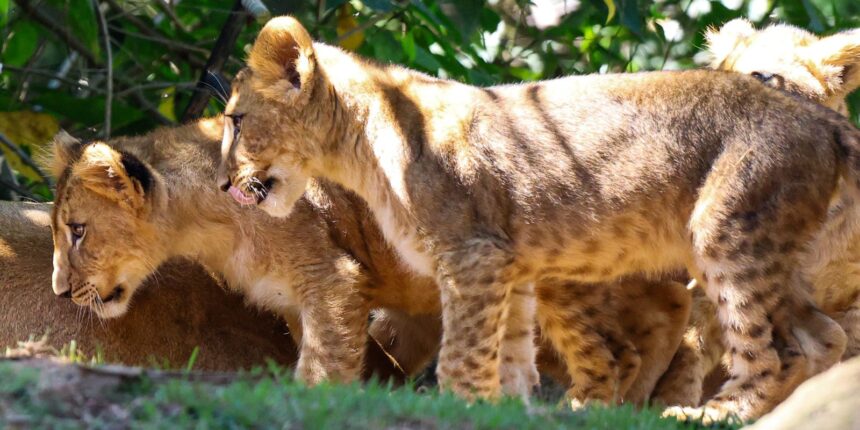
109	96
50	74
150	34
25	158
17	189
220	53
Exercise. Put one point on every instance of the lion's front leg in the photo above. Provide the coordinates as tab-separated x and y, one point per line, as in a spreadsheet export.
475	285
334	333
519	374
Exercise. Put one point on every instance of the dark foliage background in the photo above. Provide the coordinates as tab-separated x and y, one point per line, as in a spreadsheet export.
65	61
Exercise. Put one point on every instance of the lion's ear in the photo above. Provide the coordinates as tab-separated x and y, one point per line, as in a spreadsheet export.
839	61
116	175
283	53
721	42
65	150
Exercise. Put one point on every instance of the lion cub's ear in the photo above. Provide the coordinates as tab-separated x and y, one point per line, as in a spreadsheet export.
65	150
838	61
283	55
116	175
723	41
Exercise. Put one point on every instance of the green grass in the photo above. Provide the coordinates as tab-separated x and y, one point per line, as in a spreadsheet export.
275	401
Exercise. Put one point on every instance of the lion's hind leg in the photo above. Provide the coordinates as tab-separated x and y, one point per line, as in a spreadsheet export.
747	230
575	318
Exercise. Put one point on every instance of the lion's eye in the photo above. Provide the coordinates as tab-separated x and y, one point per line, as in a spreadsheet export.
78	232
237	120
767	78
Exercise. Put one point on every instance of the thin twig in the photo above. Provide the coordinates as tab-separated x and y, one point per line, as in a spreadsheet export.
109	95
151	109
17	189
155	86
171	14
153	35
63	32
24	158
168	43
672	42
135	21
364	25
23	87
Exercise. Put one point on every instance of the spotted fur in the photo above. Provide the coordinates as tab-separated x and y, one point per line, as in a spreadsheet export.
582	179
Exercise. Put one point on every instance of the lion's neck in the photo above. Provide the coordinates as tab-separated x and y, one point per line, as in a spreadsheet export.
200	222
201	227
371	160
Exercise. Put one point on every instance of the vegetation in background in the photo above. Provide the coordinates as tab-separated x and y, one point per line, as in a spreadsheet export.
55	71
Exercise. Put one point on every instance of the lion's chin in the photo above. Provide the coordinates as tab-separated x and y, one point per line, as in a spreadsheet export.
111	310
274	208
281	200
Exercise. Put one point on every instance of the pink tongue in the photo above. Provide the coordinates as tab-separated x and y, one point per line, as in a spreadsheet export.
240	197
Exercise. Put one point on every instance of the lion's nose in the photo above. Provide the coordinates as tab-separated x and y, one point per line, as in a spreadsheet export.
67	294
224	185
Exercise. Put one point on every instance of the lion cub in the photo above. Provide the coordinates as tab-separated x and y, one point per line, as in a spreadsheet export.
824	70
583	179
123	208
146	199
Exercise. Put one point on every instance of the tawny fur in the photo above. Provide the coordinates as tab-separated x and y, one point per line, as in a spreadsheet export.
824	70
181	308
322	270
331	229
582	179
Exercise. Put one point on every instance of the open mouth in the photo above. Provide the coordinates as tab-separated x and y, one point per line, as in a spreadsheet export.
257	191
114	295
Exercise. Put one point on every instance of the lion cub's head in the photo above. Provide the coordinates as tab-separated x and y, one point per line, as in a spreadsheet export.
822	69
106	239
281	93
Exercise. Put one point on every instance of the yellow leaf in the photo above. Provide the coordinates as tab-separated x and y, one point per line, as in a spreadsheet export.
26	128
610	4
346	24
166	107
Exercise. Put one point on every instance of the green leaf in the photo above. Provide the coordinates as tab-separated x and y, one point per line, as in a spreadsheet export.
334	4
385	48
490	19
379	5
610	4
426	60
408	44
21	43
4	11
89	111
81	18
465	14
630	16
815	21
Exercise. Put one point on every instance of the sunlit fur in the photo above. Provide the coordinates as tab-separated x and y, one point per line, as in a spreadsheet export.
181	309
322	269
582	179
823	69
332	233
